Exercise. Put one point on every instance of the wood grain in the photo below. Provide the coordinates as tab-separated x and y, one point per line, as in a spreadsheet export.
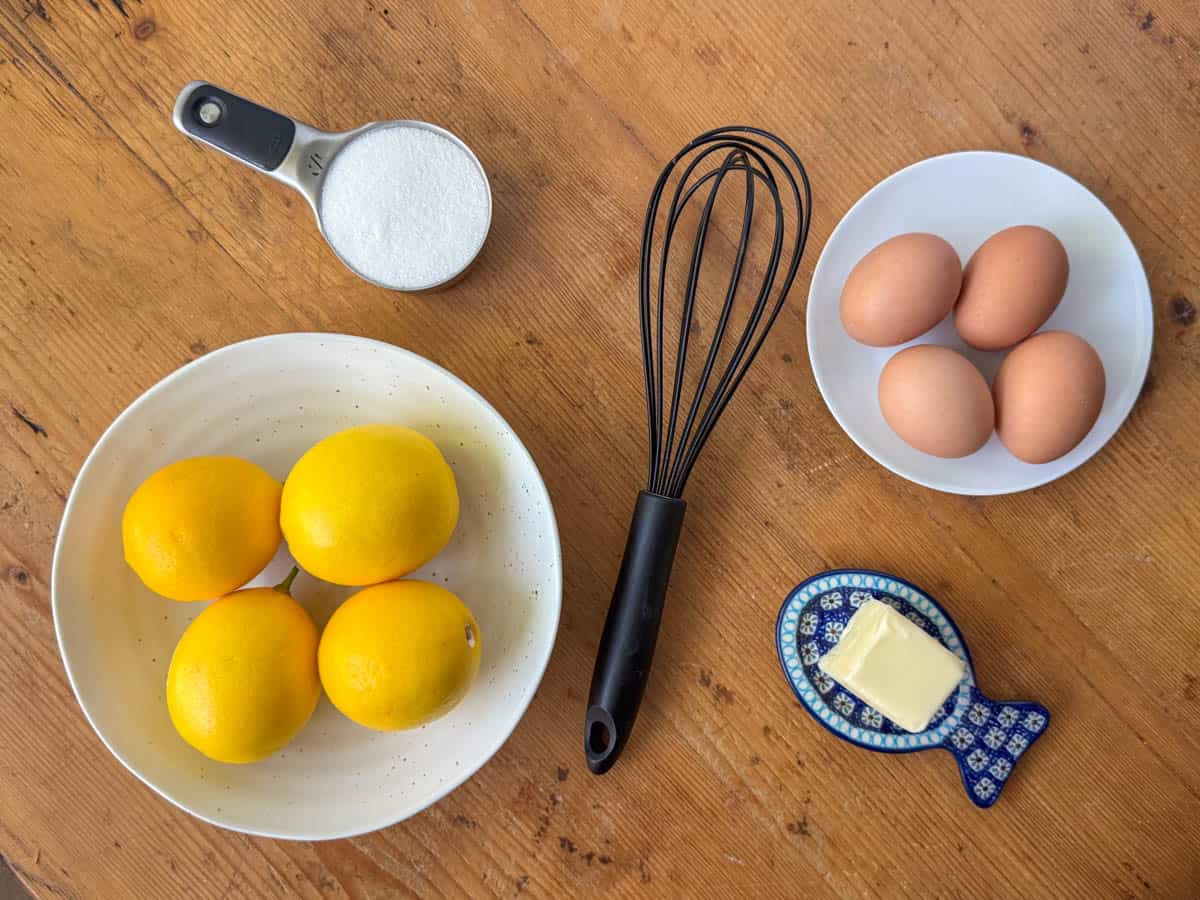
126	250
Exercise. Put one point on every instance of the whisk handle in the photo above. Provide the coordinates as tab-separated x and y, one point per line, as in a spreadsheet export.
631	629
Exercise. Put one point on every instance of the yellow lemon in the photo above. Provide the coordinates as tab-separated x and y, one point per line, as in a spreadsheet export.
243	679
202	527
369	504
398	655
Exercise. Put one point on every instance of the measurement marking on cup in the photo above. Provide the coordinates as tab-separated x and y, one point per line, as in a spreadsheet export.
316	163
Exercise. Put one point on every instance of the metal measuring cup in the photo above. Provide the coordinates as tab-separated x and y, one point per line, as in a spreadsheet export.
294	153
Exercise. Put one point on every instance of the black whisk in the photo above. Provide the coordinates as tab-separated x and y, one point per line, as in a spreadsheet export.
679	427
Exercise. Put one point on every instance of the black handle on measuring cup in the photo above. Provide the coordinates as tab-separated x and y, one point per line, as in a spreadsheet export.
253	133
631	629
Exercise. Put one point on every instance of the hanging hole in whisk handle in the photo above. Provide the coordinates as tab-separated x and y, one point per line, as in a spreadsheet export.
599	740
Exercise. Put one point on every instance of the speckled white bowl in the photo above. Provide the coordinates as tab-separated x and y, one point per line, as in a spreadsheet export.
268	400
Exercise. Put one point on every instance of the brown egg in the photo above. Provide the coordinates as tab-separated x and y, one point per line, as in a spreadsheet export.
936	401
1048	392
900	289
1011	285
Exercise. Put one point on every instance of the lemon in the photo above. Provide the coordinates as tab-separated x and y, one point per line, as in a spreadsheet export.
202	527
243	679
398	655
369	504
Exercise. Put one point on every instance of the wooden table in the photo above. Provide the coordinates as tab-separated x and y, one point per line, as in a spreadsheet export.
126	250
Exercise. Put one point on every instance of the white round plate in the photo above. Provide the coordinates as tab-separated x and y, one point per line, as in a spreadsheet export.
966	198
268	400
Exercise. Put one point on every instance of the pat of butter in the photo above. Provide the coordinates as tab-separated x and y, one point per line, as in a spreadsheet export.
890	663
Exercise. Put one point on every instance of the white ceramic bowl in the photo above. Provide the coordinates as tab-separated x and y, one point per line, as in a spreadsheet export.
269	400
966	198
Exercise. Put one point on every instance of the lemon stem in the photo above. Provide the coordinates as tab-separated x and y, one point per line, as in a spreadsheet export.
285	586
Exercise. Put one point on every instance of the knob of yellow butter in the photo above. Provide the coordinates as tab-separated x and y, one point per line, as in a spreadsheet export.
887	661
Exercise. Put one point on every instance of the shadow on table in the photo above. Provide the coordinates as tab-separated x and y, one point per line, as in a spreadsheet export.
10	886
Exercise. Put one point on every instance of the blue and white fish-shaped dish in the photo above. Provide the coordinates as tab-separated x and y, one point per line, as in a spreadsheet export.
985	737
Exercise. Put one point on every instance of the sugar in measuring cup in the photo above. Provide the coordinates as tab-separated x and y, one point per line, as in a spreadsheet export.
404	204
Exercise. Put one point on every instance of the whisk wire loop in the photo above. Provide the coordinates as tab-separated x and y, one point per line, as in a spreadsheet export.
758	155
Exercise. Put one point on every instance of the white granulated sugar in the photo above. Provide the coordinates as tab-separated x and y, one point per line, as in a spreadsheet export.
405	206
